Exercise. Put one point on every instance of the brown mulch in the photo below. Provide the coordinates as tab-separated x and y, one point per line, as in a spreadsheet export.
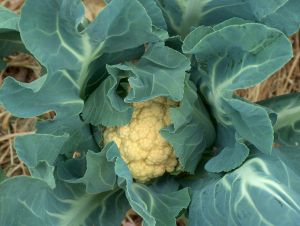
23	68
14	5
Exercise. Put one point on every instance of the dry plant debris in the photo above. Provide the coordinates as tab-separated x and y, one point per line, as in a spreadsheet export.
93	7
14	5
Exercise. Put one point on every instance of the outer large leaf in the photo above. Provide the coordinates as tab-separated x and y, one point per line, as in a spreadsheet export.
264	191
66	205
287	127
39	153
182	15
66	37
81	137
233	57
146	201
56	92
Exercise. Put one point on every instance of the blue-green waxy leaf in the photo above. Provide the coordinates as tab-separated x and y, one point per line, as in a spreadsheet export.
81	137
263	191
145	200
191	131
155	13
191	43
98	72
287	126
160	72
39	152
243	115
286	18
40	96
98	173
182	15
37	204
8	20
115	29
230	150
235	57
228	159
231	21
104	106
2	175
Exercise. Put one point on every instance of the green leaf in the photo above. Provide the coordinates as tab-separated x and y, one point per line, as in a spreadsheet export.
190	44
39	152
2	175
160	72
104	106
146	201
228	153
287	127
237	57
155	13
97	69
228	159
81	138
231	21
191	131
8	20
68	205
182	15
286	18
40	96
98	174
263	191
243	115
65	36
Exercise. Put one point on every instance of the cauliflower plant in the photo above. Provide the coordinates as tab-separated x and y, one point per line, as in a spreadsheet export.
144	150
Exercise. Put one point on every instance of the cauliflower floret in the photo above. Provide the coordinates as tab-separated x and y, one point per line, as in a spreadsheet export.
145	151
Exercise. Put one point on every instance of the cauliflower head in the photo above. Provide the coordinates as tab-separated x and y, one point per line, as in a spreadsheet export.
144	150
